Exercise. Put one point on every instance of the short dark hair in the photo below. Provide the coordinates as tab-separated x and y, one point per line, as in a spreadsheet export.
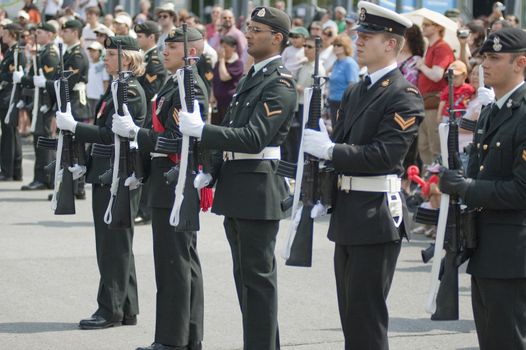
229	40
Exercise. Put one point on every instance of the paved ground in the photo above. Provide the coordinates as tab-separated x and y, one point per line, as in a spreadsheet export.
48	282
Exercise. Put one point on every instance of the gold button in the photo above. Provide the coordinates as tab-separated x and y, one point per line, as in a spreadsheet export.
478	145
498	144
481	167
485	147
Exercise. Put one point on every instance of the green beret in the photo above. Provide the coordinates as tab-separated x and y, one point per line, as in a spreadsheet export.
505	40
126	42
274	18
48	27
177	35
148	28
73	24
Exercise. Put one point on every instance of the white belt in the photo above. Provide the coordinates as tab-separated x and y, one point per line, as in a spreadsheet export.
389	184
384	183
79	87
267	153
157	155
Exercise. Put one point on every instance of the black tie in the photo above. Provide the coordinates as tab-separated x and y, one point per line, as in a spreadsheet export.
365	84
492	114
250	72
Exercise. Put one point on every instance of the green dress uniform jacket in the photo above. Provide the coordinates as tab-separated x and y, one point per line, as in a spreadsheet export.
498	165
372	136
259	116
152	80
76	62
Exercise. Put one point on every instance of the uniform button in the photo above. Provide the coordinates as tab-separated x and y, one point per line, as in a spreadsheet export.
478	145
485	147
497	144
248	103
481	167
237	103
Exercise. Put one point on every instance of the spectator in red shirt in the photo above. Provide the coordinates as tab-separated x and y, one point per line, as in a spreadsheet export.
431	82
215	22
462	92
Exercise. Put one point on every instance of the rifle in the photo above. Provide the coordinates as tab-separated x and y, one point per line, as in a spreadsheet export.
63	200
310	178
118	212
442	301
36	98
14	88
185	80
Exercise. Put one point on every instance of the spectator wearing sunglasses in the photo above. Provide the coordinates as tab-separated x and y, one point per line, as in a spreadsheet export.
327	57
344	72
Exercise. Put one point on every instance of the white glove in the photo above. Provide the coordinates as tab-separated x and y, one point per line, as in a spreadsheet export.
123	125
17	75
20	104
318	210
202	180
39	80
485	95
132	182
317	143
191	124
65	120
77	170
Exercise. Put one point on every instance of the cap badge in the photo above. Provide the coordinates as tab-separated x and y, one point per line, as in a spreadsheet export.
261	13
497	46
363	14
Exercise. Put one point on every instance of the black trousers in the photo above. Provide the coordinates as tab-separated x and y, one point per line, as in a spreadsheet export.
363	279
499	308
179	305
252	244
42	156
117	295
10	146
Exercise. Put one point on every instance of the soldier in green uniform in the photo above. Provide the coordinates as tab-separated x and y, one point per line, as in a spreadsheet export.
377	123
179	305
47	61
496	187
152	80
76	62
10	143
248	192
117	295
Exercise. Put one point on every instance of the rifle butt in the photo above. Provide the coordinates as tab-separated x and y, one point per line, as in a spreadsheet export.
66	195
301	249
447	297
121	211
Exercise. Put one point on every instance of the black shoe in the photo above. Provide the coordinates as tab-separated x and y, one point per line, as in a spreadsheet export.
97	322
157	346
80	195
17	177
34	186
141	220
3	177
129	320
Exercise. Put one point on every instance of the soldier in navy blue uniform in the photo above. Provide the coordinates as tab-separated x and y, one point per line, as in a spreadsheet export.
117	297
179	303
377	123
248	192
10	143
496	187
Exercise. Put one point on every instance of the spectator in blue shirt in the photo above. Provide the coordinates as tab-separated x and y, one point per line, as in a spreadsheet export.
344	72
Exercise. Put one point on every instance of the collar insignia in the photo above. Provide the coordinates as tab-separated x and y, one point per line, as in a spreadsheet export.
385	83
510	103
